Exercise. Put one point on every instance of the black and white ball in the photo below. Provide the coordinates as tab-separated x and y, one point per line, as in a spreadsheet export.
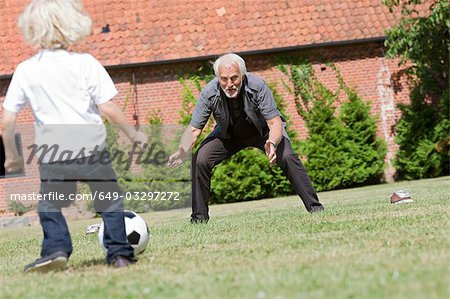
137	232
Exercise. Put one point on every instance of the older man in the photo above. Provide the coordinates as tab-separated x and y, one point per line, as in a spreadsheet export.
246	116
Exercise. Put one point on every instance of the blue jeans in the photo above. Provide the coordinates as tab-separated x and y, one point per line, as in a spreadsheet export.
58	181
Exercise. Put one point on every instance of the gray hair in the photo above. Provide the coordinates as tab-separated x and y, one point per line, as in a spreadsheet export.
229	59
51	24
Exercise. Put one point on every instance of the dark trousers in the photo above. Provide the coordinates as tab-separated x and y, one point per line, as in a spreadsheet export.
59	180
213	150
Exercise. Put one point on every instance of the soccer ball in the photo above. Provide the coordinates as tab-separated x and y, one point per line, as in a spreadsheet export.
136	229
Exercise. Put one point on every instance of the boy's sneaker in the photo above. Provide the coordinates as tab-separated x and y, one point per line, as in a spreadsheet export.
401	196
53	262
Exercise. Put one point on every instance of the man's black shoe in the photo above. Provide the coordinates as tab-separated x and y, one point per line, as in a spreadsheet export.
316	209
199	219
121	262
53	262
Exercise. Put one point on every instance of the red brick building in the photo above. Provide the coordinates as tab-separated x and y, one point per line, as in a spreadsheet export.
146	44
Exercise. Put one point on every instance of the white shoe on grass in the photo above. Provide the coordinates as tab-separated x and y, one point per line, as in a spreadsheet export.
401	197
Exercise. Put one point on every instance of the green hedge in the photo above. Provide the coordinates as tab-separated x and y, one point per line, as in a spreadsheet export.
423	136
247	176
342	147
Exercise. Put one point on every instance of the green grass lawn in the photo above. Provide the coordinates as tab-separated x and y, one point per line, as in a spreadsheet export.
360	247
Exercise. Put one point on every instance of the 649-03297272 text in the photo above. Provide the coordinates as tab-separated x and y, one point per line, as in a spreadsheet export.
131	195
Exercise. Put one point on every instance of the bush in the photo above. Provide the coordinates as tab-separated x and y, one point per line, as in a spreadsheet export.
342	149
365	151
247	176
423	137
19	208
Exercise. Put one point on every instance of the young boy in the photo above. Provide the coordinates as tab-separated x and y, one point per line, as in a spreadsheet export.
66	92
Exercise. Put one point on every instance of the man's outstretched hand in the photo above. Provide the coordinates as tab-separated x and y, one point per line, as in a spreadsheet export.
271	152
176	159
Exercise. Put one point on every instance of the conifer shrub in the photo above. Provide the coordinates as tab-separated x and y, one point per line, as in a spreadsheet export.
423	136
342	148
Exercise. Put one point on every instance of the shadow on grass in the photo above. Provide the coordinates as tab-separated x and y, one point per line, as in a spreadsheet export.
89	263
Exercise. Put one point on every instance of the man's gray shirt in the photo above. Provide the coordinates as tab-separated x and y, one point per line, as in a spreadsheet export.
259	105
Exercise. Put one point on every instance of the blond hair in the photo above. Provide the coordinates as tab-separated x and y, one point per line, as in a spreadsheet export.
51	24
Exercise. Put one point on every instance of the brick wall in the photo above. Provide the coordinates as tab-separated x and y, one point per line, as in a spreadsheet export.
148	89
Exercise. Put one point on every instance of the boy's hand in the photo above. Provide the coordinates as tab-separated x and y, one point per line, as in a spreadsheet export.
141	139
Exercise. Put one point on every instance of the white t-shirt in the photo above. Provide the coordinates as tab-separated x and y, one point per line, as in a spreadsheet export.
63	89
